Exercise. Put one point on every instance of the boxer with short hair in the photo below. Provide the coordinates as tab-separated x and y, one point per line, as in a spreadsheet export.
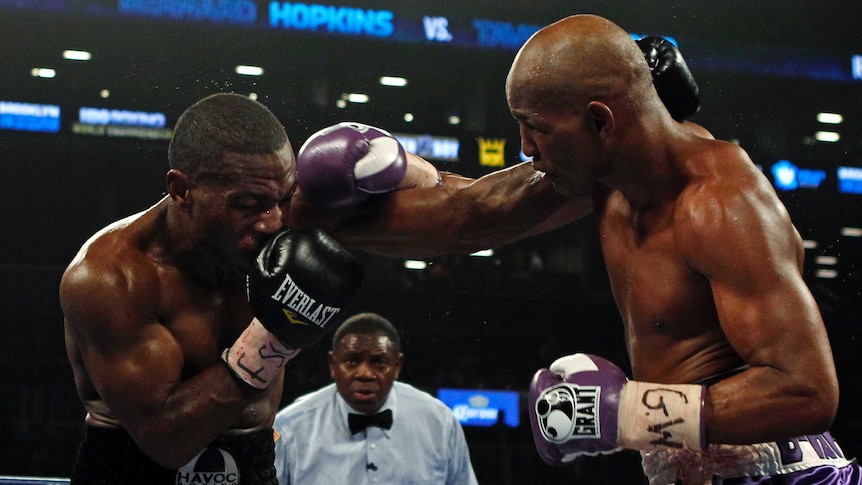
179	319
734	380
706	269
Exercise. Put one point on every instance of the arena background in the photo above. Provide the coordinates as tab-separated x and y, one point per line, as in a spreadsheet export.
765	69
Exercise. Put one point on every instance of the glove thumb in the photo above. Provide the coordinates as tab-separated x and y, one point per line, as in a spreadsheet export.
572	364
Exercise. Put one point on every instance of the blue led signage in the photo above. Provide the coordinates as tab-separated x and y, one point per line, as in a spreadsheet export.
849	180
233	11
480	407
436	29
490	33
101	116
442	148
29	117
336	20
121	123
788	176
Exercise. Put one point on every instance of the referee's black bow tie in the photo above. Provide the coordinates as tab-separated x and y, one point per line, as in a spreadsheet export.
358	422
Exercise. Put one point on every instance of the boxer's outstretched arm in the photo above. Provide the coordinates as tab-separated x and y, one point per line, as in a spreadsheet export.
459	215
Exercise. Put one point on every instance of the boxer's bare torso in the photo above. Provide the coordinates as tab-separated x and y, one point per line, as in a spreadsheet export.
176	317
672	327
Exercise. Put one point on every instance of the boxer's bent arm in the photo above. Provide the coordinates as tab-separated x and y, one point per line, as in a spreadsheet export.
750	252
135	364
462	215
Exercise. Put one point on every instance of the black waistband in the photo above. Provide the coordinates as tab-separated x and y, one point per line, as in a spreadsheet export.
110	456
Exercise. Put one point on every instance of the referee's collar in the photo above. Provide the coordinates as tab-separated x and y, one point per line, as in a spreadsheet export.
390	403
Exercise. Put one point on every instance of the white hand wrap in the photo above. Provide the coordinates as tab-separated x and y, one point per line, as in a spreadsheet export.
669	415
257	356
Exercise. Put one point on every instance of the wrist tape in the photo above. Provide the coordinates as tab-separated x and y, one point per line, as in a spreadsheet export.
669	415
257	356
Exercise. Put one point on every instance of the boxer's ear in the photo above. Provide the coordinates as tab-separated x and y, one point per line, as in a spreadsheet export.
178	183
602	118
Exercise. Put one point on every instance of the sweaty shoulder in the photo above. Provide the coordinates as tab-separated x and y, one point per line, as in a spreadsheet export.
109	268
726	195
698	130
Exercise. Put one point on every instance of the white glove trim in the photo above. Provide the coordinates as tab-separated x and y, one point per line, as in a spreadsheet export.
571	364
669	415
382	153
257	356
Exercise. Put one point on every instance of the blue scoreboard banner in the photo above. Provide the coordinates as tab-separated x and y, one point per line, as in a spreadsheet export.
413	23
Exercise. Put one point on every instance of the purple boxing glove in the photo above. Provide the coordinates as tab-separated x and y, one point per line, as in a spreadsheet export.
574	407
340	166
584	405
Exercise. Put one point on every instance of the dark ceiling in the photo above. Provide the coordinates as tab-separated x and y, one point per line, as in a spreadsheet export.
756	63
157	62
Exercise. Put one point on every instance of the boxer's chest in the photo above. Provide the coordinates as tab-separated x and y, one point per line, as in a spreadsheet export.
654	287
205	321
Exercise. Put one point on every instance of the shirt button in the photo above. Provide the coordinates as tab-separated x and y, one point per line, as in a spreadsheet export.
373	446
375	480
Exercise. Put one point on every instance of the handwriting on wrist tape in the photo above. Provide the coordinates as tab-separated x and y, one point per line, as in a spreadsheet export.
661	415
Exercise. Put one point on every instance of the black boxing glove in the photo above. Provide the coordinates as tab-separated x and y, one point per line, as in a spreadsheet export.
672	79
302	280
